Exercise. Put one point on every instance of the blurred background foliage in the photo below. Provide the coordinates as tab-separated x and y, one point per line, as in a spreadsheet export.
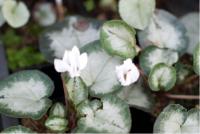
22	44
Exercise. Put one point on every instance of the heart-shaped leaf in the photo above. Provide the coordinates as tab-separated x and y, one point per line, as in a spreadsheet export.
113	117
15	13
192	28
196	59
45	14
164	31
58	110
192	122
76	89
25	94
117	38
153	55
73	31
137	13
175	119
99	74
56	124
137	96
162	77
17	130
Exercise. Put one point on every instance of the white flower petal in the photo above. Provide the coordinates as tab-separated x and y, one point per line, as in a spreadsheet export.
60	66
72	62
59	2
83	59
128	63
75	51
127	73
66	56
135	74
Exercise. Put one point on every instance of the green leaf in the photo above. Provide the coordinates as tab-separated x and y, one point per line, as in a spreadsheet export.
137	13
192	123
77	90
73	31
162	77
56	124
164	31
192	29
45	14
196	59
99	74
58	110
25	94
170	119
117	38
17	130
113	117
89	5
137	96
153	55
183	71
175	119
15	13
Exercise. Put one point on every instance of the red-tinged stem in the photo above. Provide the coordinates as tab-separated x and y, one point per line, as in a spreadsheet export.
184	97
60	10
69	105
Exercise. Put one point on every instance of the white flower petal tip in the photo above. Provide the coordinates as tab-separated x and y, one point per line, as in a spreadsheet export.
72	62
60	66
59	2
127	73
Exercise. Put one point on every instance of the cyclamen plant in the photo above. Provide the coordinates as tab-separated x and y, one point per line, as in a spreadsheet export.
100	74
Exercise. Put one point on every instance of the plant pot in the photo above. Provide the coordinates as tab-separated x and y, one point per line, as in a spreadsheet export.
4	120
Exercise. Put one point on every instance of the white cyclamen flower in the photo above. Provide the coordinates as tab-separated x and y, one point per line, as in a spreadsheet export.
127	73
72	62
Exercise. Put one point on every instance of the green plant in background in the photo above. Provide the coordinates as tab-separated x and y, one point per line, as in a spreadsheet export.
24	57
20	56
100	77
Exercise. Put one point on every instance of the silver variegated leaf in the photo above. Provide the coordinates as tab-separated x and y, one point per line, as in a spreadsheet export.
112	117
153	55
15	13
118	38
99	74
56	124
192	28
196	59
73	31
137	96
17	130
175	119
45	14
76	89
25	94
137	13
164	31
162	77
58	110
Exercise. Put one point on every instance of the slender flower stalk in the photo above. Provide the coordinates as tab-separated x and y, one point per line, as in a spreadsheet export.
60	9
